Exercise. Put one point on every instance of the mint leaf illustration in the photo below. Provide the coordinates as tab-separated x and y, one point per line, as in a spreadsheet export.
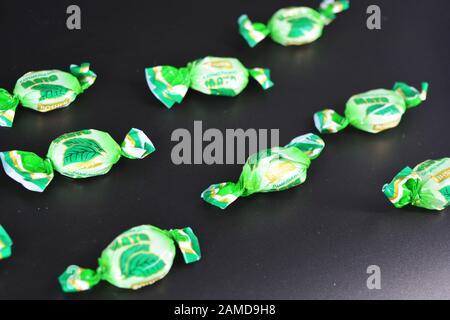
81	150
223	92
382	109
50	91
446	192
299	26
137	261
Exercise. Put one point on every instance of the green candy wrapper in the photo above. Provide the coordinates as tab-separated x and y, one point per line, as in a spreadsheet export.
426	186
292	26
45	91
275	169
210	75
373	111
136	258
82	154
5	244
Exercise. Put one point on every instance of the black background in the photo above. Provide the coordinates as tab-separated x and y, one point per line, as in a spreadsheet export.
313	241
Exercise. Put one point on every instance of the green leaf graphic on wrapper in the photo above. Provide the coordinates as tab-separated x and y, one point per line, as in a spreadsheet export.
223	92
137	261
446	192
81	150
50	91
298	26
382	109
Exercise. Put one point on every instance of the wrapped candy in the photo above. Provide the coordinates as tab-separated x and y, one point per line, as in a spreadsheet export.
373	111
45	91
275	169
292	26
210	75
136	258
426	186
5	244
82	154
